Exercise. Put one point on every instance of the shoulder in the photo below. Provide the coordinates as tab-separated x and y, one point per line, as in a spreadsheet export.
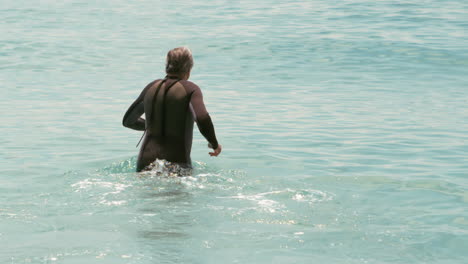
149	85
153	82
189	86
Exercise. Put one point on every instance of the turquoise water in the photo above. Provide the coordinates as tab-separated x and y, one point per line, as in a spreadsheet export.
344	126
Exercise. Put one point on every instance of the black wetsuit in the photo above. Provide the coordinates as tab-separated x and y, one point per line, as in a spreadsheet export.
170	106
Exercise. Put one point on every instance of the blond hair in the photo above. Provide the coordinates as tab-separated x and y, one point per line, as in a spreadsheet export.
179	61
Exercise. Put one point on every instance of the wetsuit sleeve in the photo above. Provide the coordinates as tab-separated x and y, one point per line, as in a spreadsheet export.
132	118
203	119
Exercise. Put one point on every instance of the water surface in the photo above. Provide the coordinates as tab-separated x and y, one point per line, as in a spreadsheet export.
344	126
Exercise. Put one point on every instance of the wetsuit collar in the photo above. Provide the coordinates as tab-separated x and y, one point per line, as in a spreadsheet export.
172	77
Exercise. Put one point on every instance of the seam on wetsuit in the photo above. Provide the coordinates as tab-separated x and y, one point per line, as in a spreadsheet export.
163	113
146	128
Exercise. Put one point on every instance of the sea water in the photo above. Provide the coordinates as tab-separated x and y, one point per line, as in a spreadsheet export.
343	124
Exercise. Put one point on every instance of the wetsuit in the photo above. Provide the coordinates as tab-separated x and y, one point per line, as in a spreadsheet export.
170	106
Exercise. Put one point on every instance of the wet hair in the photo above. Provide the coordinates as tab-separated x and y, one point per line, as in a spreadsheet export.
179	61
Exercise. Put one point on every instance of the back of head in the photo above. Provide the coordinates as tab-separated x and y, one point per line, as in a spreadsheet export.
179	61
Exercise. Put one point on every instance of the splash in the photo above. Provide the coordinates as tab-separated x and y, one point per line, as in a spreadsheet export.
125	166
165	168
159	167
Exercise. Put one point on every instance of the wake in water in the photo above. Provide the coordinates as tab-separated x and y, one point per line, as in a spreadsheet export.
166	169
158	167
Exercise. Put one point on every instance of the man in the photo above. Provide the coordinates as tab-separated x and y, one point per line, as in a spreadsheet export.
171	105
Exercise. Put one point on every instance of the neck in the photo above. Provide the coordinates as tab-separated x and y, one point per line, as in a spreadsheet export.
178	76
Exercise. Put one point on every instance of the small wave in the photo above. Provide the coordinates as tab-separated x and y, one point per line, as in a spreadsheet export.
306	195
312	196
87	184
275	200
110	190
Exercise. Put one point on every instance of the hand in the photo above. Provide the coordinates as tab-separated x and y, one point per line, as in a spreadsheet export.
216	152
